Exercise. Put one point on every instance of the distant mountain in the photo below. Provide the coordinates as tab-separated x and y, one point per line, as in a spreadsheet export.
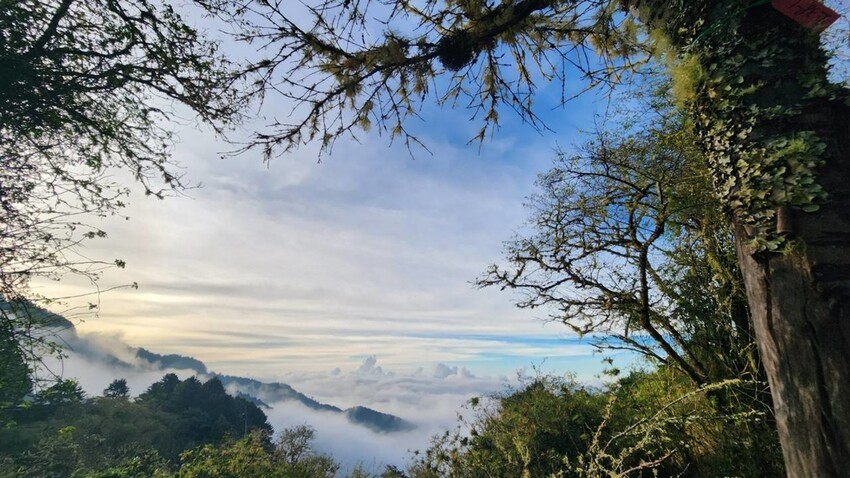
34	314
377	421
256	401
260	393
177	362
272	392
277	392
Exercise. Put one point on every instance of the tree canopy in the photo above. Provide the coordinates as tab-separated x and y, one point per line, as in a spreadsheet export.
627	244
346	70
89	90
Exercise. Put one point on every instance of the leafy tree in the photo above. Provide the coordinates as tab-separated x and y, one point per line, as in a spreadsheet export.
773	141
245	457
103	433
61	393
293	457
109	437
626	243
646	424
298	459
73	451
391	471
202	413
15	382
117	389
88	87
55	456
621	233
162	389
525	433
144	465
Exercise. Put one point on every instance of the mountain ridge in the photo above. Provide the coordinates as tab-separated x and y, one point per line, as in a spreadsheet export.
264	393
256	391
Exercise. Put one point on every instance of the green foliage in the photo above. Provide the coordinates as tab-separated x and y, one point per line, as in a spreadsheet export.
524	434
61	393
146	464
392	471
716	430
28	334
251	456
117	389
686	73
15	381
61	431
245	457
71	452
750	122
202	413
647	424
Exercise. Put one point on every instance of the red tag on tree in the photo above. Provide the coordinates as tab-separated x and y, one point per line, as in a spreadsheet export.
809	13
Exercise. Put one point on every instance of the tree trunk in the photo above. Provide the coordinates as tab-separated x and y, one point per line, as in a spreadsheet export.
800	305
799	300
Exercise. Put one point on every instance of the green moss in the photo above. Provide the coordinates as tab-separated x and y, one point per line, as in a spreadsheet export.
686	74
748	122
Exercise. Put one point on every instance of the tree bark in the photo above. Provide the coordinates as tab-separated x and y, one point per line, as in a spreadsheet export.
800	305
799	300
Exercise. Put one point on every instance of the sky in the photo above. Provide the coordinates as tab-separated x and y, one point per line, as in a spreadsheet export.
306	266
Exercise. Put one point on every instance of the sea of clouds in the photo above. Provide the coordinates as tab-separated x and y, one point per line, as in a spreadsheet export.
430	397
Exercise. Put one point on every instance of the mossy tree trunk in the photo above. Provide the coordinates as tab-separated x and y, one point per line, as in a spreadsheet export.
762	86
800	298
800	303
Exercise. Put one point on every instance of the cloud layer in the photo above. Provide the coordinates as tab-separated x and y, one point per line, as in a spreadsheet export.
429	400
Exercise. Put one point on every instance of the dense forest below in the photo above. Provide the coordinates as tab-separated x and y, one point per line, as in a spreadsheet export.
645	423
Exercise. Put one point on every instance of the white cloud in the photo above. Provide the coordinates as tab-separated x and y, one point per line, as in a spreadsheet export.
349	444
363	253
431	401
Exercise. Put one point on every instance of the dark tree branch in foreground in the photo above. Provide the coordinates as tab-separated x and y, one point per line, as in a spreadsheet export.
358	64
87	88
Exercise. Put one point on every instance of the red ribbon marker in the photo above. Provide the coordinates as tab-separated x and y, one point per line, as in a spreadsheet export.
809	13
